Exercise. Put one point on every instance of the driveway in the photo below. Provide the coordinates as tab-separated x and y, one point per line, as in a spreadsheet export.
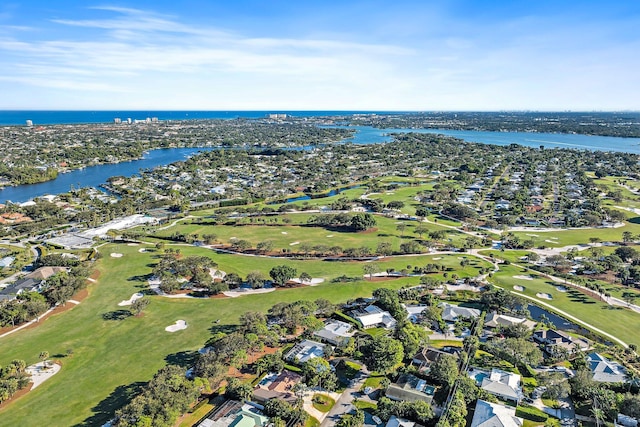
344	403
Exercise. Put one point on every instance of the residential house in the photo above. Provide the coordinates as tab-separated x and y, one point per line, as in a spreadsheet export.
414	312
235	414
399	422
606	371
451	313
277	386
410	388
557	341
427	356
335	332
494	320
32	282
305	351
374	317
489	414
503	384
7	261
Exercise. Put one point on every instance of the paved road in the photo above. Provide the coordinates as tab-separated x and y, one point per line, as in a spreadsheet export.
344	404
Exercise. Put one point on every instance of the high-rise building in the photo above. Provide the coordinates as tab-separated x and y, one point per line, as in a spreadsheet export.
117	120
29	123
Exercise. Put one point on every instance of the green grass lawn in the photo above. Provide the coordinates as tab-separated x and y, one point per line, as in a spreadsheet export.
620	322
295	235
323	403
373	380
311	422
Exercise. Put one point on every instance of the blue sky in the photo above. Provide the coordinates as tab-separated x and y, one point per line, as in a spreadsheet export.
320	55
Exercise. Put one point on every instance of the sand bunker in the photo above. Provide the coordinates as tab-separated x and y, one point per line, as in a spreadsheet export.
561	289
523	277
240	292
178	326
284	232
132	244
544	296
130	301
437	258
533	235
329	235
216	274
116	255
142	250
518	288
550	241
294	243
40	373
312	282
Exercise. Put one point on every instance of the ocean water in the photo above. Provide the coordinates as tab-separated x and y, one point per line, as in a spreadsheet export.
43	117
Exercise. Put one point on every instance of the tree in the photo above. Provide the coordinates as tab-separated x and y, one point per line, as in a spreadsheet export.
412	337
265	246
557	385
232	280
401	227
238	390
351	420
389	300
44	355
384	248
139	305
305	277
445	370
281	274
256	279
421	229
383	354
361	222
626	253
627	237
317	372
370	269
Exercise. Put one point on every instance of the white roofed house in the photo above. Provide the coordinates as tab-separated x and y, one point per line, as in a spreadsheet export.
304	351
489	414
606	371
335	332
374	317
502	384
451	313
494	320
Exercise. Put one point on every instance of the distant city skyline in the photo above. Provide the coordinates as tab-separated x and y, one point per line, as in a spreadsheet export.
331	55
